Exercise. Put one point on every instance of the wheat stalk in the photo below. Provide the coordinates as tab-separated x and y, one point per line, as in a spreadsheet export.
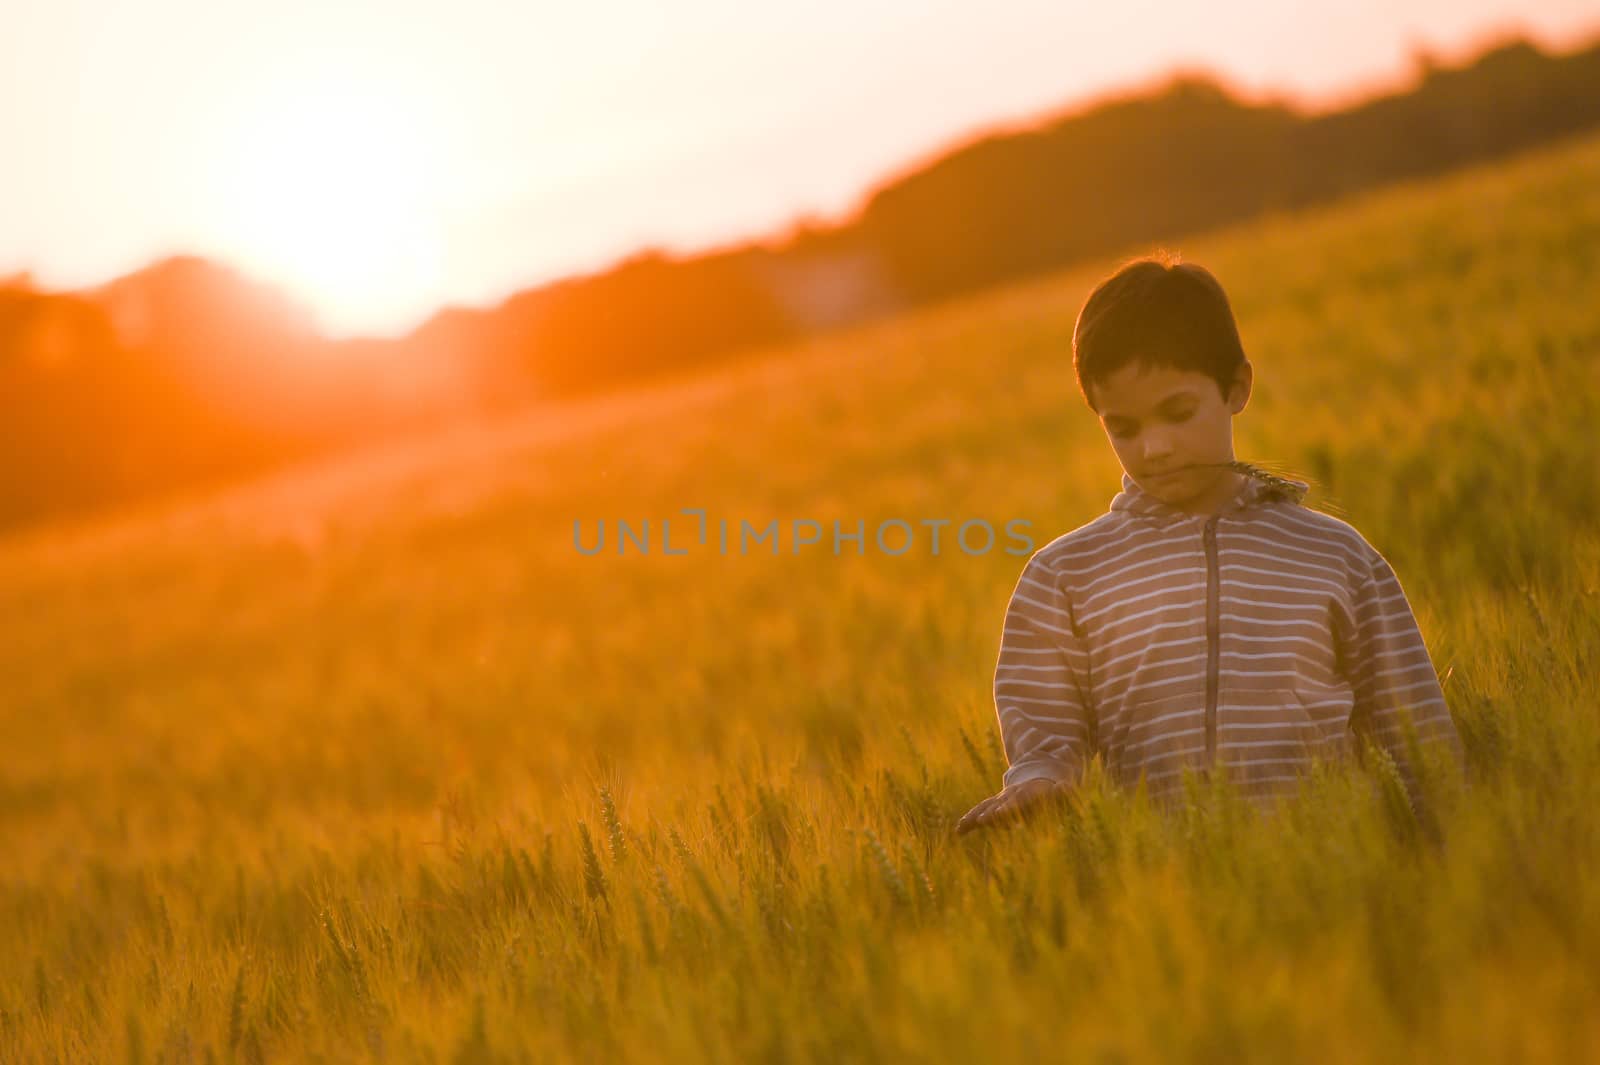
608	813
1286	488
594	881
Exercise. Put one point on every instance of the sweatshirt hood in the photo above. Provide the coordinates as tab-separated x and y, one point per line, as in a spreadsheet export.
1257	489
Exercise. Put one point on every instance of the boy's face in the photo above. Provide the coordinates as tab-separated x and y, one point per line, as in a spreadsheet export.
1166	424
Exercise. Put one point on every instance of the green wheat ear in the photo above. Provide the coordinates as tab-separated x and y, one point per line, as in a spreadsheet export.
1293	491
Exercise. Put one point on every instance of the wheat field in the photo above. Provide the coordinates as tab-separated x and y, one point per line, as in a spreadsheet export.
367	761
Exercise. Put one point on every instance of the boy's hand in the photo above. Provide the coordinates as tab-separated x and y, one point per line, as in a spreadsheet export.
1006	806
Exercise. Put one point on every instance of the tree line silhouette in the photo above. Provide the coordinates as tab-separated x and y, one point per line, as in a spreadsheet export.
185	373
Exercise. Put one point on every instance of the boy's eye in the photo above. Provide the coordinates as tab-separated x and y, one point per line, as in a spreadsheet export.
1123	430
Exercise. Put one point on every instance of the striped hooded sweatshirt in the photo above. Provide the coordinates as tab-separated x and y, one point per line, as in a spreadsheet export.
1258	638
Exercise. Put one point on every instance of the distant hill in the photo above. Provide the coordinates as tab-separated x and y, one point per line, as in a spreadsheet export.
1121	172
182	373
186	371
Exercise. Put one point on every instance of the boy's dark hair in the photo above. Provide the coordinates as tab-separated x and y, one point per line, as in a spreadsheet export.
1159	312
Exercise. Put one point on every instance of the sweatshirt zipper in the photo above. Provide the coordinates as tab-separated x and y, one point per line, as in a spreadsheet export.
1213	637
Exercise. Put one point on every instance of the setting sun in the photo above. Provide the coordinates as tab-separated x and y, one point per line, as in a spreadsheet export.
332	189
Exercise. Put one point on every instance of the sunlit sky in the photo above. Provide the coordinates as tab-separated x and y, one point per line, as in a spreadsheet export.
381	159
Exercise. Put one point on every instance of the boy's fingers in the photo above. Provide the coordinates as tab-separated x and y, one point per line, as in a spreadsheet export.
981	812
1003	807
999	811
976	816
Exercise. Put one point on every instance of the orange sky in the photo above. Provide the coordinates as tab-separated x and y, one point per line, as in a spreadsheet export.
379	159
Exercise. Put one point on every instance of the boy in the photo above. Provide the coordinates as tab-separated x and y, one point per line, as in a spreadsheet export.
1207	618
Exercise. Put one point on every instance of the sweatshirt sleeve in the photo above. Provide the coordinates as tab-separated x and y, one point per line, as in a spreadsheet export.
1388	667
1039	690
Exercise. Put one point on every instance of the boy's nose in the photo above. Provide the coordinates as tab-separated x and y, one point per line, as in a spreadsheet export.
1156	447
